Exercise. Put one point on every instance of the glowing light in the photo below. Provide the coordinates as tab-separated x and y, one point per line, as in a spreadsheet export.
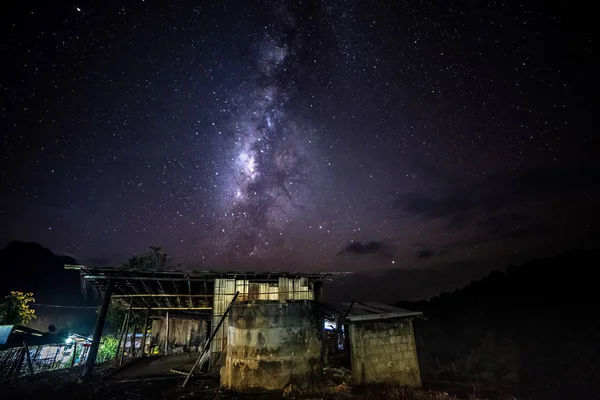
69	340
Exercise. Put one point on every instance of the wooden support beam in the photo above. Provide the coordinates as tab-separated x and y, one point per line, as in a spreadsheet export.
167	333
141	278
175	308
121	335
20	358
127	296
132	345
178	297
144	336
149	291
93	352
28	357
125	333
190	293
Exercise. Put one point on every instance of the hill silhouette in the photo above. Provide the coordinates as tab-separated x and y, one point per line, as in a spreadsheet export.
532	327
30	267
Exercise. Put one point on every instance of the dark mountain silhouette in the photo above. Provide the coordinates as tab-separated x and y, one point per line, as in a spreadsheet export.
532	327
30	267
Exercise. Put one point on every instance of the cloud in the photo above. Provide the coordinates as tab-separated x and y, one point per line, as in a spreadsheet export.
498	192
372	247
425	253
525	207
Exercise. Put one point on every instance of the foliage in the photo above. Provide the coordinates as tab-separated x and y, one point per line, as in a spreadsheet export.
14	309
117	313
155	259
108	348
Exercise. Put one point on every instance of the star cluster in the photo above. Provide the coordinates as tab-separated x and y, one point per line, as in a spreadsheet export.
297	135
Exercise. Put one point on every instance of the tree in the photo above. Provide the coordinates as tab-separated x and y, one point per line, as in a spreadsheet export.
117	313
14	309
108	348
155	259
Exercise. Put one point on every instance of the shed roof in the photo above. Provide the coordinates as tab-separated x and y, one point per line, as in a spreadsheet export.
14	335
366	311
174	290
5	331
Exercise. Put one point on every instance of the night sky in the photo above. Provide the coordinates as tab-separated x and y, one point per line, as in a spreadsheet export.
374	137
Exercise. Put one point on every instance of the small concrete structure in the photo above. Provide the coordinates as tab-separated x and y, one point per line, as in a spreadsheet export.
382	343
273	344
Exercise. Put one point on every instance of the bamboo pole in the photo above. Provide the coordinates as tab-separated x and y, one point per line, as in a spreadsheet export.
132	346
167	333
125	334
144	336
121	335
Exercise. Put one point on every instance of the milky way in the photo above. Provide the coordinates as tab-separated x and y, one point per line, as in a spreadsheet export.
271	166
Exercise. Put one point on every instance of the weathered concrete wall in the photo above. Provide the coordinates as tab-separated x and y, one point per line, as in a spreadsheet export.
384	352
272	344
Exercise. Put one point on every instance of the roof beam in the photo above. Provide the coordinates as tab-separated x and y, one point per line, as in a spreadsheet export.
163	290
119	296
140	278
173	308
178	297
149	291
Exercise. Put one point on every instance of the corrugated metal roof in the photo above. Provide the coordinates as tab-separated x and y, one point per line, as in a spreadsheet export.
177	290
367	311
5	331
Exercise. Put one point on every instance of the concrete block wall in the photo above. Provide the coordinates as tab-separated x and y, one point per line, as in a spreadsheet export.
384	351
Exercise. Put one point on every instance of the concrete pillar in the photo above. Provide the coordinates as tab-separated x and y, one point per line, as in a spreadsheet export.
91	358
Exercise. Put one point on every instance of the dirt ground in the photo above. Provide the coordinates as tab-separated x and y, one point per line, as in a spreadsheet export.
161	378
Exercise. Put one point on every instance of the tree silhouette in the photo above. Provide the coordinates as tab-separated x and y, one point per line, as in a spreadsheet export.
155	259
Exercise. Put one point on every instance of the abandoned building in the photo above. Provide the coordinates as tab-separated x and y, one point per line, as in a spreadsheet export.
259	330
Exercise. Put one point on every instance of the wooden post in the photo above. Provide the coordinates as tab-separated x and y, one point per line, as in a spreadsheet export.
121	335
167	333
28	357
207	344
74	354
20	359
132	345
128	318
91	357
145	334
